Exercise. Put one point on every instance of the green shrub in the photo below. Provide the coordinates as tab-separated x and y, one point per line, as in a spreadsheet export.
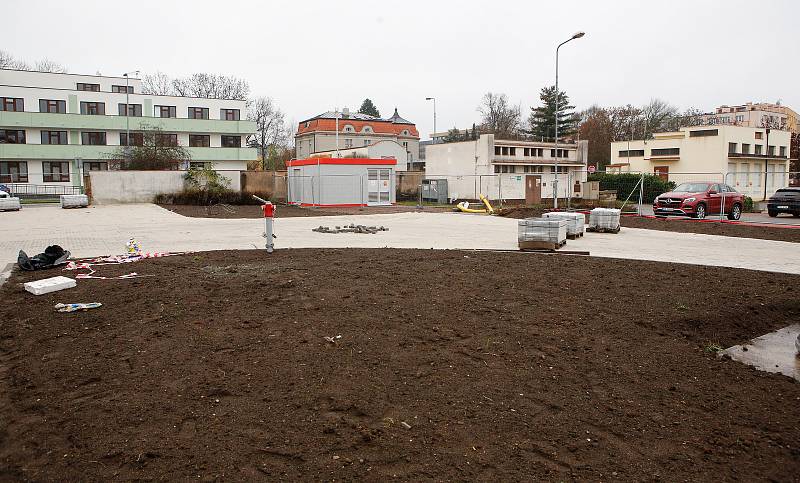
748	205
626	184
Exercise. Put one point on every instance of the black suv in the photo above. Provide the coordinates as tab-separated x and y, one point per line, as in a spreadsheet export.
785	200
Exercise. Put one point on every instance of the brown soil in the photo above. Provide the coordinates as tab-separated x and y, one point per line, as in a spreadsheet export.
683	225
450	366
284	211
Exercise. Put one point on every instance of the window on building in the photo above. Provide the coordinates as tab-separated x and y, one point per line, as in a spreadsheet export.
745	148
526	151
82	86
53	106
348	143
55	171
497	151
759	149
13	104
93	108
405	145
759	135
231	141
121	89
54	137
512	169
512	151
771	150
12	136
783	151
96	138
732	148
95	166
165	111
166	139
698	133
739	118
633	153
137	139
199	165
552	153
198	113
366	142
665	152
199	140
134	110
229	114
504	169
505	151
496	168
13	171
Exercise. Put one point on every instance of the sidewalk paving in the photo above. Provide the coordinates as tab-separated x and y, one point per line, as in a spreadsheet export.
103	230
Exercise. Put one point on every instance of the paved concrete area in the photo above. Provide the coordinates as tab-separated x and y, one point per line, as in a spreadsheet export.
103	230
773	352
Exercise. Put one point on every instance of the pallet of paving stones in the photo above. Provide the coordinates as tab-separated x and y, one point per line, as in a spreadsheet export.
599	229
538	245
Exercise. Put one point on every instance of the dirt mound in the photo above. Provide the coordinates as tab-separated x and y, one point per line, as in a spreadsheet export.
408	364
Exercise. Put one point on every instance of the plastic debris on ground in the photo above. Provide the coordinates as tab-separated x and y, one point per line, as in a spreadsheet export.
52	256
134	253
77	307
350	229
47	285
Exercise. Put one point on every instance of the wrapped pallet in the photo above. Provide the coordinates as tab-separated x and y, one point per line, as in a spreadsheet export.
74	201
542	233
10	204
575	221
604	220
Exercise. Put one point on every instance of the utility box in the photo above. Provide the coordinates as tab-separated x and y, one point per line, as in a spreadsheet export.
591	190
435	191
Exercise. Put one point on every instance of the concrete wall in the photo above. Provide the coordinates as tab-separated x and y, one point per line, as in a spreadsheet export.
133	186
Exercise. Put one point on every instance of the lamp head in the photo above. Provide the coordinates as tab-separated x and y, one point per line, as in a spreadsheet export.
578	35
429	98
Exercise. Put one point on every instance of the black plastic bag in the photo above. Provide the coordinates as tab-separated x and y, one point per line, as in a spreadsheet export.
53	256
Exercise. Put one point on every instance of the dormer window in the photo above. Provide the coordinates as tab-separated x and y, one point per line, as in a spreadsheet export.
405	132
366	129
349	128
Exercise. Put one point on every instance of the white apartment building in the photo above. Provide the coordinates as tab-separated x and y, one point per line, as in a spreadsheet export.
499	168
55	127
746	157
754	115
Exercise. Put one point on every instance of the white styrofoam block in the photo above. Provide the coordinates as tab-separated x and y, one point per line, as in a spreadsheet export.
47	285
10	204
606	218
575	221
74	201
541	229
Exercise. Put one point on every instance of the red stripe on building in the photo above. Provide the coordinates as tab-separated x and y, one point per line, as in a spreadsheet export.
342	161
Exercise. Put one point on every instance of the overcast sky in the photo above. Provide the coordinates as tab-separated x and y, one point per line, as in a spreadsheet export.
315	55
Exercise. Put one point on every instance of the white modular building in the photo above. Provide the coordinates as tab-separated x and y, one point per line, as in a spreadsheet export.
341	182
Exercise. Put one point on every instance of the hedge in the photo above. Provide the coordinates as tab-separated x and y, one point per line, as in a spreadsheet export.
625	183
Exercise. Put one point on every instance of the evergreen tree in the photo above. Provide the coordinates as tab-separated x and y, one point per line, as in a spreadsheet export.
542	120
367	107
453	136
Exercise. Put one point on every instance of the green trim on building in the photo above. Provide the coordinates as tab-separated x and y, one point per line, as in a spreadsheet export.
73	151
73	104
148	108
74	137
42	120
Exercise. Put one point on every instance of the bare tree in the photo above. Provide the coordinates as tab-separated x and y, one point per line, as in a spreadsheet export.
212	86
773	122
8	61
657	115
47	65
158	84
498	116
271	131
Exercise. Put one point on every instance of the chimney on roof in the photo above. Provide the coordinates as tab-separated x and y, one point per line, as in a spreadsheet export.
346	111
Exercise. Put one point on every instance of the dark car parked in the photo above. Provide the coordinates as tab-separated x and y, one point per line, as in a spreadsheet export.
698	199
785	200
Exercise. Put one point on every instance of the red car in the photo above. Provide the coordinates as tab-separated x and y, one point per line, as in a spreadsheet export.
699	199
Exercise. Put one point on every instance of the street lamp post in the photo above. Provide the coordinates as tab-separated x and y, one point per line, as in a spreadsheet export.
128	114
434	115
555	177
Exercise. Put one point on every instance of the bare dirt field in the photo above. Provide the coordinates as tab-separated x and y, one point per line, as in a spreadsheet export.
439	365
683	225
284	211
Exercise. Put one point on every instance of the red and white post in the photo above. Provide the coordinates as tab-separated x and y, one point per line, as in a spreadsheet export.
269	214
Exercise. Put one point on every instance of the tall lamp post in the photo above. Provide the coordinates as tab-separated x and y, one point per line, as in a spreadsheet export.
555	177
434	115
128	114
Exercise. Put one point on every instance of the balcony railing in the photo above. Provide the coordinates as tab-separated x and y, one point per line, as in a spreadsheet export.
757	156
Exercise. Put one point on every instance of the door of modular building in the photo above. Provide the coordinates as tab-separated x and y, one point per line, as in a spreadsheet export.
533	189
296	186
379	185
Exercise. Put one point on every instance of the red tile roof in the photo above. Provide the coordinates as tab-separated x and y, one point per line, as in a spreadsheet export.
378	126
